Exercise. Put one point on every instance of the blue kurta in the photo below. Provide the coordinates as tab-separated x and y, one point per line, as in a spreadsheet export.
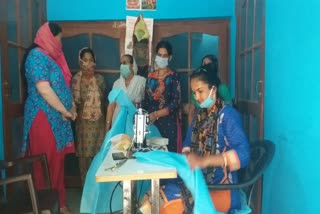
40	67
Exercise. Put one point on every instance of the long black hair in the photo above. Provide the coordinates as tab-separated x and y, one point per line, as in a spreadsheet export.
87	50
164	44
207	74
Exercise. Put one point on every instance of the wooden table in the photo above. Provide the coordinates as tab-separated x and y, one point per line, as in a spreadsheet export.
129	173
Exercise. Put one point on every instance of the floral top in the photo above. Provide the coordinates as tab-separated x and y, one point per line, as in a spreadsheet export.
165	93
40	67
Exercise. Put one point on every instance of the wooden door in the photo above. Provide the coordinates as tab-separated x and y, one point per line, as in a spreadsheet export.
250	74
105	39
19	21
191	40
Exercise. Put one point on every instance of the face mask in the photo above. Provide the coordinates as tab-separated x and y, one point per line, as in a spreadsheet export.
87	66
208	102
125	71
161	62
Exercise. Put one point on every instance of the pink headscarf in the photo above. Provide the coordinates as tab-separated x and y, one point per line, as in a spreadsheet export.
53	48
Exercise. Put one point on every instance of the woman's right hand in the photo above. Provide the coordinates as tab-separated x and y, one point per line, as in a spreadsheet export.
67	115
186	150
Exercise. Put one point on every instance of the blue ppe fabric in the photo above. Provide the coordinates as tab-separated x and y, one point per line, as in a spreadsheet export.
193	180
96	196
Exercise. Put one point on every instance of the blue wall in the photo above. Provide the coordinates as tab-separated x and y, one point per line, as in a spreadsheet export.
115	10
292	118
1	111
79	10
292	72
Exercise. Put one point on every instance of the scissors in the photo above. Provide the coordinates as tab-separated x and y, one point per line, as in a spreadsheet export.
117	165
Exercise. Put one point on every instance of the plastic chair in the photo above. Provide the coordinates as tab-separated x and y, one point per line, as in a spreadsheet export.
20	195
261	154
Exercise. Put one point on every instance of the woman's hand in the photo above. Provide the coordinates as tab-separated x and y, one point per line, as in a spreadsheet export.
198	161
153	117
67	115
186	150
73	111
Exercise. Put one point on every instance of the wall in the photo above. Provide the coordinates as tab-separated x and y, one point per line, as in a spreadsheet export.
115	10
1	116
79	10
292	119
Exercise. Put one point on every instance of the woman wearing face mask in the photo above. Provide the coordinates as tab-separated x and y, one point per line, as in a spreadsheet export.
163	96
217	141
133	85
88	90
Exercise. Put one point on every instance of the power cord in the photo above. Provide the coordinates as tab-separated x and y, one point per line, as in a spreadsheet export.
140	190
114	189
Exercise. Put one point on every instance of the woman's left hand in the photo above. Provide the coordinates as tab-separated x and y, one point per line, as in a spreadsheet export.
153	117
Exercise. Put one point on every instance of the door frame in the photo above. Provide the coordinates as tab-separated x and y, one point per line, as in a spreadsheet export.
246	106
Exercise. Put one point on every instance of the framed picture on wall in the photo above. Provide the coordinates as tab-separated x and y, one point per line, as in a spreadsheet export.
141	4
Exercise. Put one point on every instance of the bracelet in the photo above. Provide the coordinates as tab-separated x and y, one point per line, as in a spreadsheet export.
156	113
224	160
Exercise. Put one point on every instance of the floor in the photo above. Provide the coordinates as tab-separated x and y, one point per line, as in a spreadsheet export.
74	199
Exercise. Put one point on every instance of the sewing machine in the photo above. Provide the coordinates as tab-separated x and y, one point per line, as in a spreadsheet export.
140	129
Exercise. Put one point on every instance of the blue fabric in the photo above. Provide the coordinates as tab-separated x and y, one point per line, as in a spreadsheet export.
230	136
39	67
96	196
193	180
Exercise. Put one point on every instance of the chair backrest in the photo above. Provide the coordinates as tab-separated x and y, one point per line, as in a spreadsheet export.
22	188
261	154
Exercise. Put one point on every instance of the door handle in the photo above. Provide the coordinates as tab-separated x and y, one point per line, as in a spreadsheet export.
6	91
258	88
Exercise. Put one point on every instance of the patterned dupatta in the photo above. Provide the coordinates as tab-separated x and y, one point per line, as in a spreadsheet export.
92	103
157	94
204	138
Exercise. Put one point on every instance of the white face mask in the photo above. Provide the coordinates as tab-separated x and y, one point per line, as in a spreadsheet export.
161	61
209	102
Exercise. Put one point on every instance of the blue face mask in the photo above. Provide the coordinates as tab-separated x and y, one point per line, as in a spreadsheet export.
209	102
161	62
125	71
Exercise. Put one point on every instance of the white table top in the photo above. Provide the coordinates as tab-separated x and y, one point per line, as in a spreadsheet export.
132	170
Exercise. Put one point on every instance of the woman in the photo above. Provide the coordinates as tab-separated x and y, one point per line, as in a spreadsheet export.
88	90
223	89
163	96
47	112
133	85
218	143
212	62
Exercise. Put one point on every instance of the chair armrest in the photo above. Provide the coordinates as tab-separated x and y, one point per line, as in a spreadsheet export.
28	160
232	186
28	179
5	164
